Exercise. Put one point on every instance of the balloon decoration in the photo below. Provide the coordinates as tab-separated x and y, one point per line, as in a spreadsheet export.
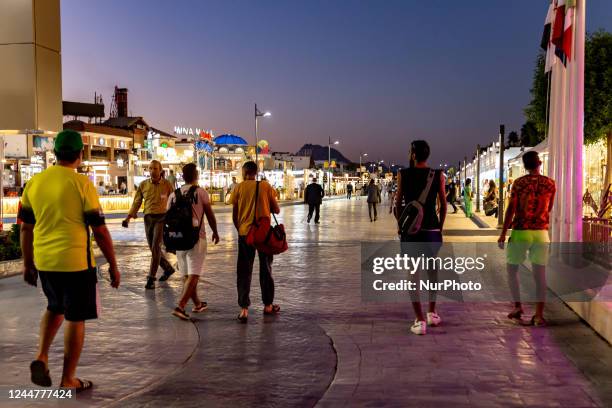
206	135
263	147
201	145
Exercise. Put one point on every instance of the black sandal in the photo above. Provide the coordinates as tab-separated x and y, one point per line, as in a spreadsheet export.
275	310
40	373
540	323
243	318
84	385
516	314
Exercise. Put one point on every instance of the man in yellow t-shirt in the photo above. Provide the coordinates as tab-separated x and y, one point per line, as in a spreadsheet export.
243	199
58	207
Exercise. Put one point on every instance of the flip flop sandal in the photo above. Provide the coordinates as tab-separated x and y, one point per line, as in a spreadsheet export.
538	323
40	373
515	315
242	319
275	310
83	385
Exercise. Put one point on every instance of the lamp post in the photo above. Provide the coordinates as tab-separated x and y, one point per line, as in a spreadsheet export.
329	143
361	155
477	177
258	114
500	206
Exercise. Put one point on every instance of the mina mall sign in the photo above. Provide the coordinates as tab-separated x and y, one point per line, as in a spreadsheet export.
187	131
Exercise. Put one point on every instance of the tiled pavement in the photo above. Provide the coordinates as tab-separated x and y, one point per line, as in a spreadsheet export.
326	347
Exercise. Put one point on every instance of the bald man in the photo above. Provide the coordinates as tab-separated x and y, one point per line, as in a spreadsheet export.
154	191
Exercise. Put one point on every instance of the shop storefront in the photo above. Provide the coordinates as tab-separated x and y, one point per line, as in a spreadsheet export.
107	155
594	164
25	154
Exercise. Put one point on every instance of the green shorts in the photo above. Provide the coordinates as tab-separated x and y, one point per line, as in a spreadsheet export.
534	242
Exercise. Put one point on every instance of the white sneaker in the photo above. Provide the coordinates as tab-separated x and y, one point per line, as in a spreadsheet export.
433	319
419	327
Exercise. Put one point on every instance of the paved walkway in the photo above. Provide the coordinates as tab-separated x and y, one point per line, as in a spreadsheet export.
326	347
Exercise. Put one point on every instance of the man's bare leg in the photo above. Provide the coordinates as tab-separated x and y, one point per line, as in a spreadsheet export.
74	337
189	289
513	282
49	325
539	275
432	275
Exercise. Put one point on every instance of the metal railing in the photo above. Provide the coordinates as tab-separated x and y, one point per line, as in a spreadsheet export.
597	230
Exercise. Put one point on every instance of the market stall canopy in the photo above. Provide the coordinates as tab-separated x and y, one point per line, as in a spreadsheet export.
541	147
230	139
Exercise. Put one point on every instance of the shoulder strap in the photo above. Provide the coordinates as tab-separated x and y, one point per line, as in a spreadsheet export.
425	192
192	194
195	196
255	202
178	194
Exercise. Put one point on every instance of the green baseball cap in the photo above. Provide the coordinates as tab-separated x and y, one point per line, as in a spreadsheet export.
68	141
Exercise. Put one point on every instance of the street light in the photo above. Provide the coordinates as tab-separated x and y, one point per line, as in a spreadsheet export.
258	114
361	155
329	143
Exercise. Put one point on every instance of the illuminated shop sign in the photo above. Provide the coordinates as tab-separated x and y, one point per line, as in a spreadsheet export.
187	131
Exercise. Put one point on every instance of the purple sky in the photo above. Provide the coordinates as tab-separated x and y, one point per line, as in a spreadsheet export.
372	74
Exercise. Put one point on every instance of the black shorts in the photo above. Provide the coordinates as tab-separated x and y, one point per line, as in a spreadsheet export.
72	294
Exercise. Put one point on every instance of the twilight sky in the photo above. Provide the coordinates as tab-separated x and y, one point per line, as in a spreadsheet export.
372	74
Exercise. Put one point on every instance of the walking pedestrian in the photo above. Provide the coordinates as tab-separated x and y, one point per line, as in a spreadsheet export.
58	208
373	199
191	262
392	202
467	198
253	198
528	215
230	190
101	190
508	191
412	184
389	188
154	191
172	179
451	195
313	196
349	190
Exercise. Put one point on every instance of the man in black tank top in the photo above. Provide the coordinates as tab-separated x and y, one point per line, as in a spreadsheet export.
411	183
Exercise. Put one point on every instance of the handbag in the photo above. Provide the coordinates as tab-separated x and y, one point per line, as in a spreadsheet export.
267	239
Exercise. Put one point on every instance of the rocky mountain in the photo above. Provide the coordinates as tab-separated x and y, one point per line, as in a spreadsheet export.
320	153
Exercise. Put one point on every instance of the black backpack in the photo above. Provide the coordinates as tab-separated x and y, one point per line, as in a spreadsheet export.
411	219
179	232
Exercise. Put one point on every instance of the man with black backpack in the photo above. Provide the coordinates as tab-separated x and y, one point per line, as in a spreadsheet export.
184	232
420	228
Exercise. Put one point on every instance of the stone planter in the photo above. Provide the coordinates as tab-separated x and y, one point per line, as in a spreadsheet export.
10	268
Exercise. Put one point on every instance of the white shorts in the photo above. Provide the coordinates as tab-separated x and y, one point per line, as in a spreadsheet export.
191	262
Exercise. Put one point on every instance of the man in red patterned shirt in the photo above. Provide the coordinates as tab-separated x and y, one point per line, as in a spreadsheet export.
528	212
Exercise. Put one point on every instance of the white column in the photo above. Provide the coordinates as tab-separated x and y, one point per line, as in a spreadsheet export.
566	137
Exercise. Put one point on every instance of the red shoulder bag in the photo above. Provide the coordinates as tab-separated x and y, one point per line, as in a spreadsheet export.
267	239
